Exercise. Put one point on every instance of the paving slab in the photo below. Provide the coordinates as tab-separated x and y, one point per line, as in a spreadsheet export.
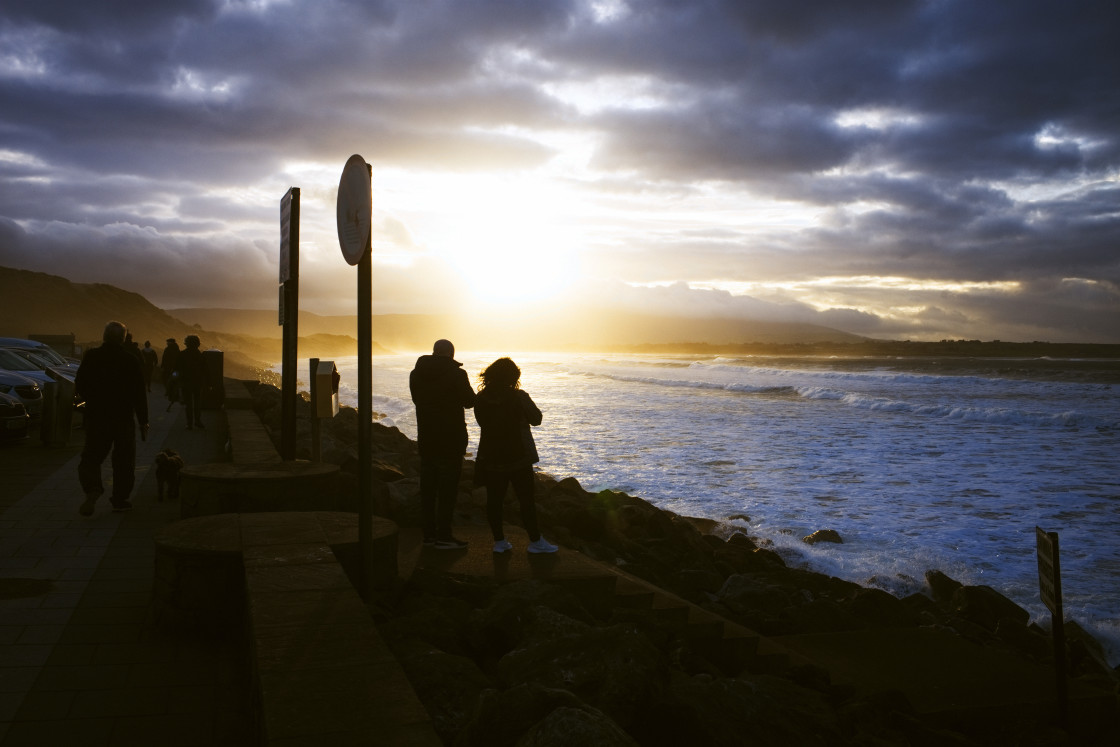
80	661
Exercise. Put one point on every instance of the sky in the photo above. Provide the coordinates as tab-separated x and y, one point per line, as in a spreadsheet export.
901	169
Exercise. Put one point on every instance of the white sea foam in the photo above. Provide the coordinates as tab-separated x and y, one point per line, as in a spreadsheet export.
915	470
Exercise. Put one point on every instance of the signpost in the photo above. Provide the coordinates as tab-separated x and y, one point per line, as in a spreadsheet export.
289	319
354	216
1050	590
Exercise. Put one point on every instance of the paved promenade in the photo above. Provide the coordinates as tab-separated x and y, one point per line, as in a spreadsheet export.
80	661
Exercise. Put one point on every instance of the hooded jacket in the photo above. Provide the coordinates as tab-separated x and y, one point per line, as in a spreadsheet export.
441	391
504	416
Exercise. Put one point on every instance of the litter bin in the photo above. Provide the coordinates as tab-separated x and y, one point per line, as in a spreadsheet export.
213	379
58	412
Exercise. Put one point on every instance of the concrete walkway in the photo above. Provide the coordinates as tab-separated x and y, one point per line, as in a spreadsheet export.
80	662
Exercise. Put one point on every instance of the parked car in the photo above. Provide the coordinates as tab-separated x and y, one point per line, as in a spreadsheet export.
14	419
40	347
16	363
25	390
44	358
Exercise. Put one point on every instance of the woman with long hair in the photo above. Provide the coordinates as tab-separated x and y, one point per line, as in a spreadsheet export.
506	450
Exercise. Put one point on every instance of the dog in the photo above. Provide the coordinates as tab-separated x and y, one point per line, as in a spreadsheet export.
168	464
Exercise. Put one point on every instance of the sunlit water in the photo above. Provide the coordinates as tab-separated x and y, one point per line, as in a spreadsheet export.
915	471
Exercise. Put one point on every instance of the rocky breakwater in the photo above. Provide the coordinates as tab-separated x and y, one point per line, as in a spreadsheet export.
526	663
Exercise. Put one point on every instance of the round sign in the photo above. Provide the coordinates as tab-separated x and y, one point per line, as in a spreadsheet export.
355	209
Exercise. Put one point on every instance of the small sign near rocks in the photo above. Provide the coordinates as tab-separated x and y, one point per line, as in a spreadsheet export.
1050	589
1049	573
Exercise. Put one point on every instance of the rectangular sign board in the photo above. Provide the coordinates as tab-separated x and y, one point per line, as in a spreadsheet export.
1049	570
286	237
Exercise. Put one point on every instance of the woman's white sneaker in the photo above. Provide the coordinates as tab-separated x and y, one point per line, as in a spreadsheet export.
502	545
542	546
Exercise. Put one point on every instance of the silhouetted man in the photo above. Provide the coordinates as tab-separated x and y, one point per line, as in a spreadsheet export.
441	391
111	381
151	359
167	366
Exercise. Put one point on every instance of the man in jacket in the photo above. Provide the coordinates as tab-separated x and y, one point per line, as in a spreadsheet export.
441	392
111	381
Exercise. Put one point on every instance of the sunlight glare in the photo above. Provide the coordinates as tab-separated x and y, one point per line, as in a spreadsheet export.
508	239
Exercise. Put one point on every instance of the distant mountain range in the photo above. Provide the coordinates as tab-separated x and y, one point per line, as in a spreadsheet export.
38	303
587	329
35	303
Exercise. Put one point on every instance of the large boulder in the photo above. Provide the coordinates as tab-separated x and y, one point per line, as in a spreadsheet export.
502	717
823	535
523	613
438	621
567	726
615	669
692	582
1087	656
941	587
402	501
747	710
745	594
820	615
985	606
876	608
741	556
449	686
1029	639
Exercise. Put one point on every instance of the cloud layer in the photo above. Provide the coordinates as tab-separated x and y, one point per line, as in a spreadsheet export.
896	168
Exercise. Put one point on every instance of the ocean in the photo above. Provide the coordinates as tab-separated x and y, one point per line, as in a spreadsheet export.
918	463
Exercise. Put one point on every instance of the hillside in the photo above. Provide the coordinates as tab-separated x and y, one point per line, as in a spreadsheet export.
34	303
38	303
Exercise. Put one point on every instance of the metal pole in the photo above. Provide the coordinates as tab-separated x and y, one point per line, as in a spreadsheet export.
365	413
1057	623
316	433
290	291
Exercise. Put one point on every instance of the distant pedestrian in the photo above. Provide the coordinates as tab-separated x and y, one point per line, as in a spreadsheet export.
151	359
132	348
167	370
111	381
507	452
441	391
190	373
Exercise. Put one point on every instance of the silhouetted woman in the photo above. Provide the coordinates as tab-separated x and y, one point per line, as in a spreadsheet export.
189	368
506	451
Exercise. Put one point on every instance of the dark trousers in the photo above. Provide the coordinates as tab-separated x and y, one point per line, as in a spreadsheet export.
192	400
101	437
496	485
439	487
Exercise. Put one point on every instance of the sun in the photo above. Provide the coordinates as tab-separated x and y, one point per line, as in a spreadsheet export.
511	240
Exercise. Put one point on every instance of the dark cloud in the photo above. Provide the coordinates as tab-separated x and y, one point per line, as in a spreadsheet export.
944	141
108	16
